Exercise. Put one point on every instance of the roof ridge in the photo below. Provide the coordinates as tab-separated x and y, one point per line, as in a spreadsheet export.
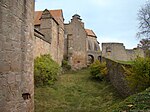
90	32
57	14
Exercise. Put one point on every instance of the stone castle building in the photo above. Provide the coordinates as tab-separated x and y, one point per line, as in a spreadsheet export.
20	43
75	37
117	51
64	41
50	24
73	42
81	45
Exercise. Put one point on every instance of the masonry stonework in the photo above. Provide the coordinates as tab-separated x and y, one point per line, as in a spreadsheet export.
76	43
51	24
116	75
65	41
16	56
93	49
41	46
117	51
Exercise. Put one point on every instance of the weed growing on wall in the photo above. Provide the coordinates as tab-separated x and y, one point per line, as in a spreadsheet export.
45	70
138	75
98	69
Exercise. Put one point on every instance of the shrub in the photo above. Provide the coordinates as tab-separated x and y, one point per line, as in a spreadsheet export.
65	65
138	75
98	69
45	70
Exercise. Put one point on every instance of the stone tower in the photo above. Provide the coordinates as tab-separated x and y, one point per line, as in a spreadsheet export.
76	51
16	56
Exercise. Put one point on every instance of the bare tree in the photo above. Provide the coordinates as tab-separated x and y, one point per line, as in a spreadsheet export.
144	21
145	45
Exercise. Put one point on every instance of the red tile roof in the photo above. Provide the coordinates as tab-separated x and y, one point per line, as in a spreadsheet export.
57	14
37	16
90	32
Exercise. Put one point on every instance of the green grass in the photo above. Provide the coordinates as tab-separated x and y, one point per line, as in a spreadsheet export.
125	62
139	102
76	92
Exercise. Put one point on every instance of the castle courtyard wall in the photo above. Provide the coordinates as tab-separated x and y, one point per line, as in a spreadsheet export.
117	51
41	46
134	53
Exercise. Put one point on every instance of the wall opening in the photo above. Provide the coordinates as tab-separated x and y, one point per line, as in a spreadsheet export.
26	96
90	59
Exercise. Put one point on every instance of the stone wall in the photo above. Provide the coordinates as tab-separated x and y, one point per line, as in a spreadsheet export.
16	56
117	77
117	51
41	46
133	53
61	44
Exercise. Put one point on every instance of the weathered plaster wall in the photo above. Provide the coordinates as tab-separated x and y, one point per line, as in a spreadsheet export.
133	53
117	51
16	56
93	48
76	41
61	44
54	42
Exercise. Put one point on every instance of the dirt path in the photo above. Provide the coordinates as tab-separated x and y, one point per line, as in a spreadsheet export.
75	92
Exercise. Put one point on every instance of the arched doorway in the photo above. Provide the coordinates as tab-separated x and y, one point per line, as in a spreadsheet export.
90	59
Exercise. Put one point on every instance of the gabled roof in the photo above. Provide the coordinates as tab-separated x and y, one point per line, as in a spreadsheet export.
57	15
90	32
37	16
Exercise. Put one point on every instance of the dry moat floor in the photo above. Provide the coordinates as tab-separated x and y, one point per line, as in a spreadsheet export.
76	92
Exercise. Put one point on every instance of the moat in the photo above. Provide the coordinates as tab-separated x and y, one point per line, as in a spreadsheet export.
76	92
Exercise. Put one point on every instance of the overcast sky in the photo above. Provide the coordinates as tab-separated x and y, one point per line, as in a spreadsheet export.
111	20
